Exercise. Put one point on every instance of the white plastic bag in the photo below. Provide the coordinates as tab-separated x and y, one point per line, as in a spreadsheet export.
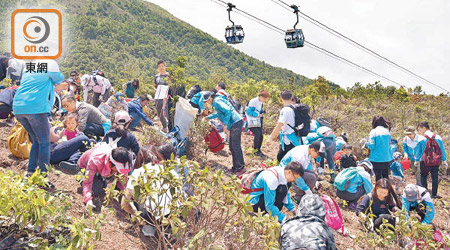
184	116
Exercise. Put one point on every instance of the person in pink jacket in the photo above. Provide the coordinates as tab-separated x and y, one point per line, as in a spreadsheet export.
105	161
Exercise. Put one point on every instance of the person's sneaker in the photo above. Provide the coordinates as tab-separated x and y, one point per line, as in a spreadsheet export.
238	172
49	185
10	122
321	171
436	197
352	206
68	166
259	154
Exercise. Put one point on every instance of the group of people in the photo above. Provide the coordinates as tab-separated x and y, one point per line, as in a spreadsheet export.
96	136
301	165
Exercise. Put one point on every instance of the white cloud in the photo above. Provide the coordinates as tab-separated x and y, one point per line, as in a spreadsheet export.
411	33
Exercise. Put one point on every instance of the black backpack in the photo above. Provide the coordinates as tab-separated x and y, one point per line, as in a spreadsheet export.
236	104
301	117
194	90
323	122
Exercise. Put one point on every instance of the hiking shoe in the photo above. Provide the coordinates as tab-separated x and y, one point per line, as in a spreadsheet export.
10	122
49	185
71	167
321	171
352	206
238	172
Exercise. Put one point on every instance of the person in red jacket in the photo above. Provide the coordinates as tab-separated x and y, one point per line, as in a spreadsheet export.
105	161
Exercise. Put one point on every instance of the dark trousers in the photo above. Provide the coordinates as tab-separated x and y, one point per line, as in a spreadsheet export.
95	100
257	141
69	150
94	130
310	179
379	221
235	145
351	197
5	111
282	153
38	129
330	151
424	170
280	194
381	169
163	114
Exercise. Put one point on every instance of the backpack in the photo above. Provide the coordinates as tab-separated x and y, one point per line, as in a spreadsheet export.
249	176
214	141
333	216
323	122
344	177
194	90
432	155
18	142
301	117
236	104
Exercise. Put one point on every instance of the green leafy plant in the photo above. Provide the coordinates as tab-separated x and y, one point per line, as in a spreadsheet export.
206	210
36	218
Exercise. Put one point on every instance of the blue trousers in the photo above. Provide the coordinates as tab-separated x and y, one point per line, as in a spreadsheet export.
38	129
69	150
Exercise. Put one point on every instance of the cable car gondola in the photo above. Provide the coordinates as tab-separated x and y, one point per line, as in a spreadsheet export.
294	37
235	33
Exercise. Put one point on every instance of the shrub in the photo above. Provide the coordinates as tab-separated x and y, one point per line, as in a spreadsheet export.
36	218
216	214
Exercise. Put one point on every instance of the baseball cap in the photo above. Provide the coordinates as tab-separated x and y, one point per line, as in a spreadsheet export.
410	130
411	191
123	168
122	117
368	164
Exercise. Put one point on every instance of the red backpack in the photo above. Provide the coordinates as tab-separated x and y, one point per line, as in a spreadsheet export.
432	155
214	141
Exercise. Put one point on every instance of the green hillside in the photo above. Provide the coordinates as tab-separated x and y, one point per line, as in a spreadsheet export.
126	39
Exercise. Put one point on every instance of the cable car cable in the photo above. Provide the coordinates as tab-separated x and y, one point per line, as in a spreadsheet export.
355	43
313	46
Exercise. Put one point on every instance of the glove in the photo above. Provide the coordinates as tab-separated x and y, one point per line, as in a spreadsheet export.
416	164
89	205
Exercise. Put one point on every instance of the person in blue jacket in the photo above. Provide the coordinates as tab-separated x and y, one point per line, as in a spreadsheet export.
409	144
137	113
424	130
197	101
418	198
352	183
31	106
255	112
397	172
379	145
232	122
270	192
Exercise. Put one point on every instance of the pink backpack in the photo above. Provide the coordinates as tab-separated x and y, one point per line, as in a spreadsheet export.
248	177
333	216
